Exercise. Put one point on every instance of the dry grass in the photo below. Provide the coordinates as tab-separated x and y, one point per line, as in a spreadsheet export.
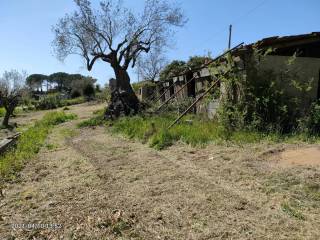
102	186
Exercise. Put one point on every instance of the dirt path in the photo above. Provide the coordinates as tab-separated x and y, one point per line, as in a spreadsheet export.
100	186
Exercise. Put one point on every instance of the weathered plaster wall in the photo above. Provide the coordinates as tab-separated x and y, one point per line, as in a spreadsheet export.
303	69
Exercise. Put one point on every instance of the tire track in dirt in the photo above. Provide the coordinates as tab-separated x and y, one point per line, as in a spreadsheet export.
101	186
177	193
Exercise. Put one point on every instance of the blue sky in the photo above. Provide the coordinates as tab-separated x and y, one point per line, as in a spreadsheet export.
25	25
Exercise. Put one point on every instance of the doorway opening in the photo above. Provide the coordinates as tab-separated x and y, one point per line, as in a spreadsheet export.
318	94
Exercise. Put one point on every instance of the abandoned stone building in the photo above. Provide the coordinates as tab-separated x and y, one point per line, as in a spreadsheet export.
305	67
305	47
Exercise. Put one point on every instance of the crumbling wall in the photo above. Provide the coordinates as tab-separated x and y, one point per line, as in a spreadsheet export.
303	69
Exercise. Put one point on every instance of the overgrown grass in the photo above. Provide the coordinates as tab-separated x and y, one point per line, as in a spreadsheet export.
95	121
191	130
30	143
74	101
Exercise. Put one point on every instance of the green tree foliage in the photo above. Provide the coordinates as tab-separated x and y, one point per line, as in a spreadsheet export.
89	91
197	61
260	99
98	88
35	81
61	79
176	67
12	88
62	82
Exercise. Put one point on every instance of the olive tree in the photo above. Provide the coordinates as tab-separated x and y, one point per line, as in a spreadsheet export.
116	35
12	87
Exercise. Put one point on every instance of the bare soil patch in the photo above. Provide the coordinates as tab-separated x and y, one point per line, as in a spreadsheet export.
307	156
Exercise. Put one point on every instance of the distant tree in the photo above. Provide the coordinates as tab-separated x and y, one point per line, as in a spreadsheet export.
61	79
197	61
150	66
35	81
117	36
12	87
79	83
175	68
98	88
89	91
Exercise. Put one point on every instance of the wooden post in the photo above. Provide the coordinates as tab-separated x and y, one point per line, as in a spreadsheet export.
175	94
194	103
230	33
165	91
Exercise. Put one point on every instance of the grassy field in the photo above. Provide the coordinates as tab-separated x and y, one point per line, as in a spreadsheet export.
30	143
100	185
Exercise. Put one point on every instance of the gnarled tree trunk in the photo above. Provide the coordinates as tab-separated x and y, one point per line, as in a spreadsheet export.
123	98
5	121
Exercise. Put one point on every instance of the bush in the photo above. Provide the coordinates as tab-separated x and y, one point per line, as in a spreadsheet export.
89	91
2	112
75	94
50	101
103	96
314	118
260	99
311	123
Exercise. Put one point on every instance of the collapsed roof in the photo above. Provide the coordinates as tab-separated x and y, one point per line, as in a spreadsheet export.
306	45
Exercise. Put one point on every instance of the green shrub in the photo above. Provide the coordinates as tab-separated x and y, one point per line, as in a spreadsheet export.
30	143
104	95
2	112
50	101
311	124
75	93
261	99
89	91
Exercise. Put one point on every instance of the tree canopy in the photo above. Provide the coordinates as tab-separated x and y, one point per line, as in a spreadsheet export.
118	36
12	87
63	81
177	67
114	33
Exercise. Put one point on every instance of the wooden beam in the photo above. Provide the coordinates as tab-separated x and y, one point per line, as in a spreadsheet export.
175	94
192	105
165	92
6	143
